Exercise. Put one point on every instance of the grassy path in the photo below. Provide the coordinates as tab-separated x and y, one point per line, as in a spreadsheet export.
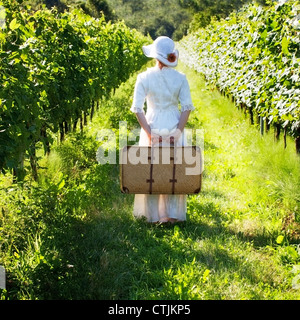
74	236
227	248
250	200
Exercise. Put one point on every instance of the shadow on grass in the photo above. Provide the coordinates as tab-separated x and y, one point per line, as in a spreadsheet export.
110	255
92	248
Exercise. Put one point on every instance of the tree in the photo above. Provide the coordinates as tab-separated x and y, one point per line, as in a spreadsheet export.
154	17
204	10
94	8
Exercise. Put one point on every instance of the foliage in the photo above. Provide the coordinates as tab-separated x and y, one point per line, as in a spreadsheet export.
97	7
205	10
254	56
94	8
172	18
53	67
156	18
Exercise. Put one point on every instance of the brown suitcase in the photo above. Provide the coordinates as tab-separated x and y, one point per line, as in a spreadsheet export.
161	170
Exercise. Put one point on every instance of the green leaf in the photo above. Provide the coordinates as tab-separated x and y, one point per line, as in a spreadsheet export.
243	87
61	184
285	45
264	34
205	275
279	239
14	24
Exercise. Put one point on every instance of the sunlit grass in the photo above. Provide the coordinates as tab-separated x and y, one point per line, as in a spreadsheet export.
258	176
73	235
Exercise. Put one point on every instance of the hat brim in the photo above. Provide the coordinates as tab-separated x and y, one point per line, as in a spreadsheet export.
150	52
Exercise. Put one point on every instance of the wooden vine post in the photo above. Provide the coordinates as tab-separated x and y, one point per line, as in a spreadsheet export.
297	141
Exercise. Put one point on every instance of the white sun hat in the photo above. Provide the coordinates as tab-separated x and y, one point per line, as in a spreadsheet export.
163	49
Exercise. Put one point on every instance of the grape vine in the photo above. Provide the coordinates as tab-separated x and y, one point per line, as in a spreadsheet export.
54	68
254	57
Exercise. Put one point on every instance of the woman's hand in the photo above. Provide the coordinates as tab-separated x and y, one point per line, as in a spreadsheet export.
174	137
154	138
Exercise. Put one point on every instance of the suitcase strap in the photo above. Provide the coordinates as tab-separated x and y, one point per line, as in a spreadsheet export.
151	177
151	180
173	180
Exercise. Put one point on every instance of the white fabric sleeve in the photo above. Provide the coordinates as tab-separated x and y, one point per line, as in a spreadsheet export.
185	98
138	96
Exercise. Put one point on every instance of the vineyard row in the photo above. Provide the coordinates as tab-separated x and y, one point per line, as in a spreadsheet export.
254	57
54	68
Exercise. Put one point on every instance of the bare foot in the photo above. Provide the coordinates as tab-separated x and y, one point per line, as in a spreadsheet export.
164	220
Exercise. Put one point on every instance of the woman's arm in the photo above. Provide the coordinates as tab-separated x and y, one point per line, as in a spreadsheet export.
143	122
183	119
154	138
181	124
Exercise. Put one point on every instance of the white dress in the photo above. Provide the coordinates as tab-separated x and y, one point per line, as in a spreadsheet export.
162	89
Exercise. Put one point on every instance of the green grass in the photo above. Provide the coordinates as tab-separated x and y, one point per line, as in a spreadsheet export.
73	236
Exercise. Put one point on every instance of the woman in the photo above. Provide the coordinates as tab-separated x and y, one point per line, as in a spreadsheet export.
162	87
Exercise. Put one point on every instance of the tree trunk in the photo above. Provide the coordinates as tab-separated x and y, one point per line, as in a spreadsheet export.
81	123
18	171
62	131
92	110
66	127
75	124
267	126
262	125
46	141
85	118
251	115
277	131
297	140
284	137
33	162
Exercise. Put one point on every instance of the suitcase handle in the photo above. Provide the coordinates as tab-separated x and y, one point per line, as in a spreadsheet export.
172	142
